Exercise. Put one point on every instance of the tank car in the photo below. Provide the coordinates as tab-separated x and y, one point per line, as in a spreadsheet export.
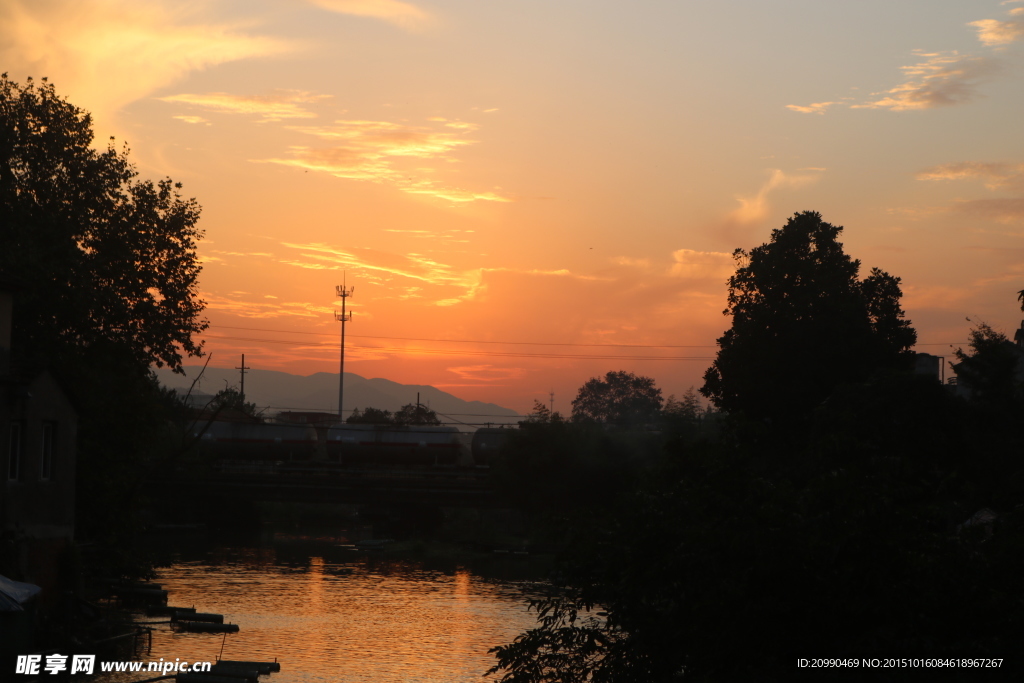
389	445
256	441
487	441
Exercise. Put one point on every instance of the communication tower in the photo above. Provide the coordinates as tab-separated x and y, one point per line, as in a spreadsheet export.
343	316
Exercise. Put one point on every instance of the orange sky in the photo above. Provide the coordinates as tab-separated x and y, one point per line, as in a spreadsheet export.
571	176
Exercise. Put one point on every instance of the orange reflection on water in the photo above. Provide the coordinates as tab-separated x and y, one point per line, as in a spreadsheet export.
351	619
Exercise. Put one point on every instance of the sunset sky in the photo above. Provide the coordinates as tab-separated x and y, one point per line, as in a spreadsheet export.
571	176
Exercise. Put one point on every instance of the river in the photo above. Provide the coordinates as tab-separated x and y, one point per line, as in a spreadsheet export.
329	613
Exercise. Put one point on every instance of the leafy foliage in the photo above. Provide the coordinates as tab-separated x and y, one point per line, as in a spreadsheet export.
803	324
231	400
416	414
993	370
371	416
108	261
108	268
621	398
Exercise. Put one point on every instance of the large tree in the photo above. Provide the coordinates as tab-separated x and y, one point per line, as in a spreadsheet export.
108	260
619	398
803	323
108	271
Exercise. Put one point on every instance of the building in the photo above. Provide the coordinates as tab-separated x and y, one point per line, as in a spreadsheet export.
38	434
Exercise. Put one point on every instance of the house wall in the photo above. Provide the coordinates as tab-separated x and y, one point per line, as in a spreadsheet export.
37	509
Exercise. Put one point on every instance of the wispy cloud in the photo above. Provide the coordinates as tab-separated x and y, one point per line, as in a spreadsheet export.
996	175
104	55
403	14
1002	209
942	79
264	309
993	32
281	104
318	256
375	151
816	108
192	119
691	264
486	373
753	209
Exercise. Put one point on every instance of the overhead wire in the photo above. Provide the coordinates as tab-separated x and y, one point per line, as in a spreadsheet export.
502	354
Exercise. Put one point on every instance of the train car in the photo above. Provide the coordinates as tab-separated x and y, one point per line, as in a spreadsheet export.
487	441
256	441
390	445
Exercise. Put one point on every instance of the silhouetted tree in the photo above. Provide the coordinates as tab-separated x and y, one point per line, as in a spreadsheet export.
993	370
803	323
688	409
416	414
371	416
109	268
109	261
230	400
620	398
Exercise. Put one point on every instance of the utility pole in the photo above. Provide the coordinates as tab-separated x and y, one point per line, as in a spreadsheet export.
551	403
343	317
243	369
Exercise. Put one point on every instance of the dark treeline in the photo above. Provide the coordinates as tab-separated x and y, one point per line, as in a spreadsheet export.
843	507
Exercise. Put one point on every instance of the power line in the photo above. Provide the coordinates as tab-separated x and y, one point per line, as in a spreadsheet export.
325	346
479	341
516	343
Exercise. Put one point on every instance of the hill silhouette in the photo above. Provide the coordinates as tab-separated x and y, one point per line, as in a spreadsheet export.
276	391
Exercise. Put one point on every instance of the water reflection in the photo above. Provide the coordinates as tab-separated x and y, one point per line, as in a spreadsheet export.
340	617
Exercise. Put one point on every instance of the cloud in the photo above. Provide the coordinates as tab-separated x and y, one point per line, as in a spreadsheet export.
701	264
816	108
403	14
1004	209
192	119
942	79
412	266
261	309
994	32
754	209
106	54
486	373
376	151
996	175
282	104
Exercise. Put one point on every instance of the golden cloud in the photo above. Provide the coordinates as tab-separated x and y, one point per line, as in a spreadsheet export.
816	108
373	151
402	14
486	373
261	309
282	104
754	209
942	79
995	174
994	32
192	119
105	55
701	264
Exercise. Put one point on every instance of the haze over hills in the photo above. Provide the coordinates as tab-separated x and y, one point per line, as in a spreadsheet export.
276	391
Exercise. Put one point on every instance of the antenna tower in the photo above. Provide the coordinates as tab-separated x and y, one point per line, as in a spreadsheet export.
343	316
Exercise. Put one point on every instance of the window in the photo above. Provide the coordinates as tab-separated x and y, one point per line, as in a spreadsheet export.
14	451
46	460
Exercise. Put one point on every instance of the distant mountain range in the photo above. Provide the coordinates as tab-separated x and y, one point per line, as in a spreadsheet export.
278	391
